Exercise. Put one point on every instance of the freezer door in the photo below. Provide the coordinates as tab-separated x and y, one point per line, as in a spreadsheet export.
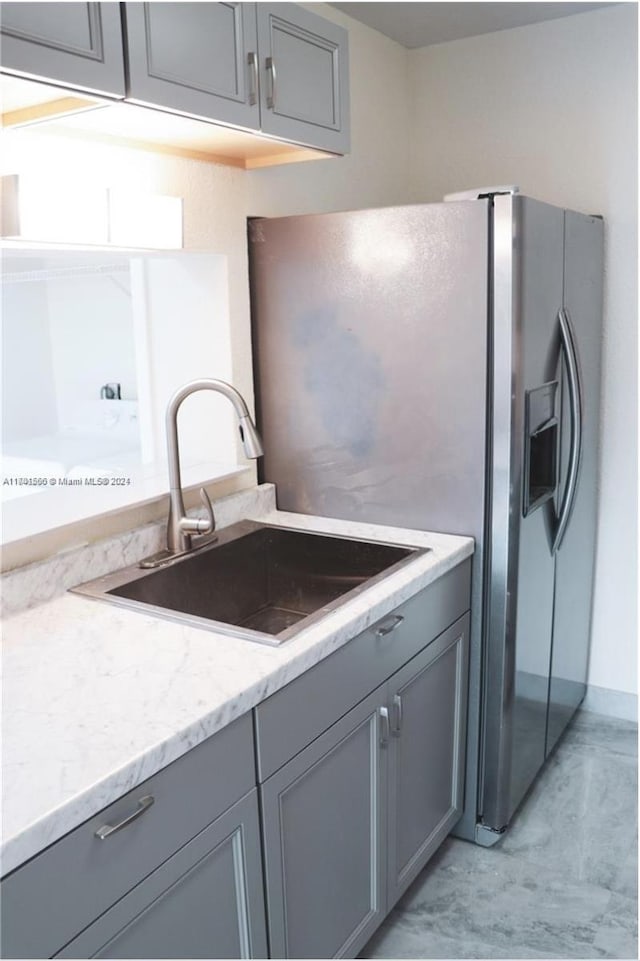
370	357
583	274
527	293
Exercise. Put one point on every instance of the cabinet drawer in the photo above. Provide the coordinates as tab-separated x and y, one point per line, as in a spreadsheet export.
301	711
207	901
59	892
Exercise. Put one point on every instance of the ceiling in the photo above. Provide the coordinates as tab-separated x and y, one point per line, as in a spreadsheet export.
422	24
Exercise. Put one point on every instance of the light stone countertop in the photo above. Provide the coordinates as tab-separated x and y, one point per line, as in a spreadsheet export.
97	698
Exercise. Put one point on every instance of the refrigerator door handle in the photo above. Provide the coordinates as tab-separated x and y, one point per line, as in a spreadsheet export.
574	379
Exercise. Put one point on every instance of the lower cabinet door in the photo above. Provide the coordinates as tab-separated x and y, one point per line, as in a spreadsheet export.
323	814
427	703
204	902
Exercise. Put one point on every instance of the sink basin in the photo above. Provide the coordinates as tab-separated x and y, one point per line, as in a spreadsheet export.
256	581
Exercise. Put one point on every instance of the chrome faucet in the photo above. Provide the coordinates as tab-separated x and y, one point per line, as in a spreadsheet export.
180	528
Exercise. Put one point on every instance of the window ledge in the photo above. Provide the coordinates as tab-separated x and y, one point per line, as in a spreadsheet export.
67	516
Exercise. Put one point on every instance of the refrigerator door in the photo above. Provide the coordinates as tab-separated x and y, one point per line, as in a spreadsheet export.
583	273
370	353
527	295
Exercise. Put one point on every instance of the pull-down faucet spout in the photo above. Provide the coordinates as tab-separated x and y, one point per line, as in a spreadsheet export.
180	528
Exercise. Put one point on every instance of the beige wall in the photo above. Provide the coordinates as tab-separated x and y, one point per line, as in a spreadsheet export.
553	108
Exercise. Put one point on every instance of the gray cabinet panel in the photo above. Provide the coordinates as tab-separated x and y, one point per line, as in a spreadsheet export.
79	44
40	914
326	692
304	70
324	861
426	759
204	902
194	58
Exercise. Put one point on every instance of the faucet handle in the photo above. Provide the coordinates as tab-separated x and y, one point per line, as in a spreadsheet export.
204	497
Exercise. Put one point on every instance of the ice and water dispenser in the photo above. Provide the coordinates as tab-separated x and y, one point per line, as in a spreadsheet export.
541	446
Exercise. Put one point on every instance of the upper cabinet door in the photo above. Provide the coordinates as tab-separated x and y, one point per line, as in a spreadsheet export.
304	77
195	58
77	44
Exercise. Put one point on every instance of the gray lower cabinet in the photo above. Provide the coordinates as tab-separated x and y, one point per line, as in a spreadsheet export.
79	44
323	829
304	77
172	843
204	902
428	705
195	58
350	821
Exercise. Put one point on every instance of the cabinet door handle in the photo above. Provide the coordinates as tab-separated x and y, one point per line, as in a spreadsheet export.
389	626
384	726
397	710
108	829
252	61
271	70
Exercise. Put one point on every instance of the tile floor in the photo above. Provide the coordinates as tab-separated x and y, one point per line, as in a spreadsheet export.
562	883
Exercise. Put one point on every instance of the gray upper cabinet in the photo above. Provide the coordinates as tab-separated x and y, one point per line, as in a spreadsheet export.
77	44
195	58
205	902
304	77
269	67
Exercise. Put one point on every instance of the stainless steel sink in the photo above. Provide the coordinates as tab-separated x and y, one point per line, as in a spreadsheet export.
256	581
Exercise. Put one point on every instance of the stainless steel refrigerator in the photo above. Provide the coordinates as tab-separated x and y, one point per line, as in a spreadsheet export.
438	367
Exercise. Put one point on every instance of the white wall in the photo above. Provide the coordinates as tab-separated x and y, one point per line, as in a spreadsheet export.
553	108
28	401
92	343
186	298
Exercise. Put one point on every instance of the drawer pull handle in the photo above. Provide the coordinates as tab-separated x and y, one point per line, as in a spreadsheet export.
390	626
108	829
